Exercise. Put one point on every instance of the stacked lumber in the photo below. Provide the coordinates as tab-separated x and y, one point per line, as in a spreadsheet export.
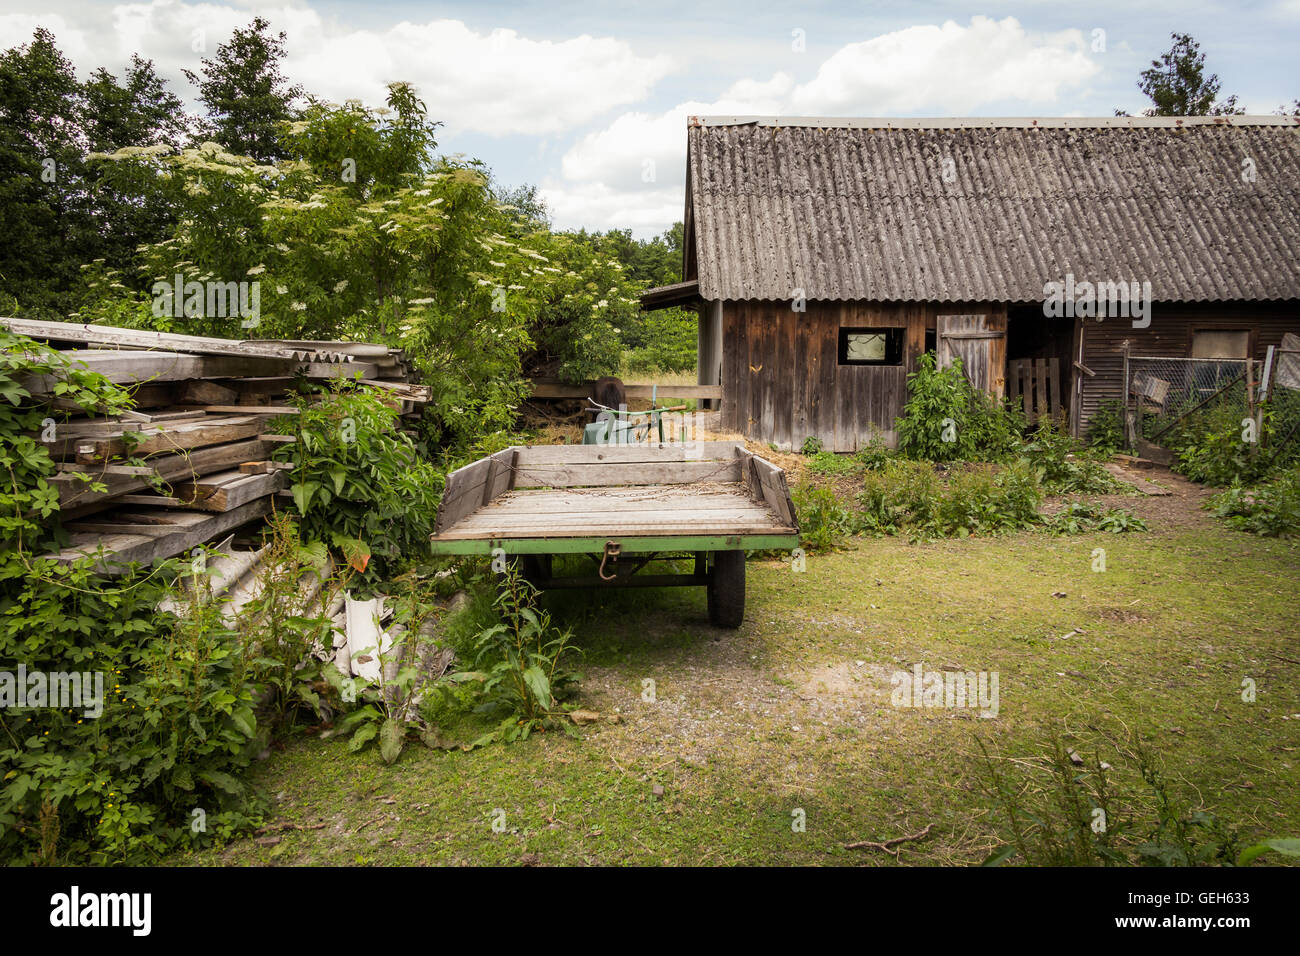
192	462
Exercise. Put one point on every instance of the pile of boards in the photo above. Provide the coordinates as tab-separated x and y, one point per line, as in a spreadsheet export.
208	416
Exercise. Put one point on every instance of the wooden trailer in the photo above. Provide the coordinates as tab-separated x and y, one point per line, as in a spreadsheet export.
623	506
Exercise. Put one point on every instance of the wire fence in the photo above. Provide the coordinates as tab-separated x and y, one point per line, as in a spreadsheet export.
1168	399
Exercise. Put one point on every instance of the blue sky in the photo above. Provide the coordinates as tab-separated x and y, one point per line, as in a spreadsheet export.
588	99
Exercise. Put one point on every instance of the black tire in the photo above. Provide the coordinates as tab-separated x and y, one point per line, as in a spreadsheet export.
727	589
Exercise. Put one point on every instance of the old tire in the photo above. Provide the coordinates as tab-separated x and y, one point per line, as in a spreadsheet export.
727	589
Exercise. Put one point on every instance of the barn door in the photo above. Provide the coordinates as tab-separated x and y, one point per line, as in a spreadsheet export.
981	348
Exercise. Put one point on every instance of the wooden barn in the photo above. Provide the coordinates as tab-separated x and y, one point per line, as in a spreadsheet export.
826	255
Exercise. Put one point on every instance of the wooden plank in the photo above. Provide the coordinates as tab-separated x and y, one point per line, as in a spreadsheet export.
625	473
146	339
171	438
122	367
721	527
199	392
160	501
655	452
462	494
638	391
144	548
1054	386
604	499
132	415
229	494
503	522
263	467
170	468
253	409
1040	388
101	468
653	543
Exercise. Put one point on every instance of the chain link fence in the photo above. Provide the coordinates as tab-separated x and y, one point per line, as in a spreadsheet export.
1169	399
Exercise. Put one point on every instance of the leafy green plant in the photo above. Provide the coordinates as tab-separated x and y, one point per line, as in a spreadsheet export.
1081	517
359	482
812	445
1270	509
520	665
1062	466
945	418
824	523
829	463
1063	808
1106	429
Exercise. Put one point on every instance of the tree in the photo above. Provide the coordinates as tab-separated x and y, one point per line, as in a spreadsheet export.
44	214
246	94
524	204
141	111
363	235
1177	85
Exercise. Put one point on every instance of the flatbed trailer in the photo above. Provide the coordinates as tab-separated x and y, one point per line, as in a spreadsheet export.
623	506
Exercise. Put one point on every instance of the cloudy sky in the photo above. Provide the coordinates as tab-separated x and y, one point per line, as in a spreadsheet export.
589	99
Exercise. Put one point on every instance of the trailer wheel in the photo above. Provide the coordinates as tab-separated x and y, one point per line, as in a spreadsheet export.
727	589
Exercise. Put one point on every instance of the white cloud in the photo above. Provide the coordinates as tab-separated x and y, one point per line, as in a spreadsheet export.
952	68
496	83
946	70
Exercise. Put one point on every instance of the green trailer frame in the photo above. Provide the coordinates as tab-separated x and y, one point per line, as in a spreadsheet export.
624	506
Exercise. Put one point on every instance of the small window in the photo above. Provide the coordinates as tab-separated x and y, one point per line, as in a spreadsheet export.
871	346
1217	344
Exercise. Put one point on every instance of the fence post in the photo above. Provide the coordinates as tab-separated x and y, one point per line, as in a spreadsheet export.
1130	425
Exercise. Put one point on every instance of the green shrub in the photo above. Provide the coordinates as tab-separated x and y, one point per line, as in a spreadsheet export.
830	463
909	495
359	483
947	419
824	523
520	665
812	445
1062	467
1106	429
1082	517
1271	509
1064	808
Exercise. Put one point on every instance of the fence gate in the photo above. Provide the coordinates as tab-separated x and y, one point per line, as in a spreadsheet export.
1035	385
1164	395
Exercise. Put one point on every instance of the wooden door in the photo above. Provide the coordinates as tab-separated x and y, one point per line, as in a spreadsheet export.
981	348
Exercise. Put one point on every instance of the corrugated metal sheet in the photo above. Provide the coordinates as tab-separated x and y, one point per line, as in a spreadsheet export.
861	211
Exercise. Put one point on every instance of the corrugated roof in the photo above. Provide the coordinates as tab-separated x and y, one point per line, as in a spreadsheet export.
862	208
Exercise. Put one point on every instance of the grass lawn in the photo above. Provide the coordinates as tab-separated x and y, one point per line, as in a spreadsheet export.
792	712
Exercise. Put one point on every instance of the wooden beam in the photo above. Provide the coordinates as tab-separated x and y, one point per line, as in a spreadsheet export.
189	530
75	494
171	438
561	390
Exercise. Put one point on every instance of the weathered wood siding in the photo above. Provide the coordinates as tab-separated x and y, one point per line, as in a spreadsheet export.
1170	334
781	381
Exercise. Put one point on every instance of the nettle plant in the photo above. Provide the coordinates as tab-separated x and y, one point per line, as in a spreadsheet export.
176	716
359	482
946	418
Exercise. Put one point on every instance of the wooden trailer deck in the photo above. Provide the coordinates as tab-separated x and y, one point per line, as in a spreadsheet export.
706	496
641	503
619	512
